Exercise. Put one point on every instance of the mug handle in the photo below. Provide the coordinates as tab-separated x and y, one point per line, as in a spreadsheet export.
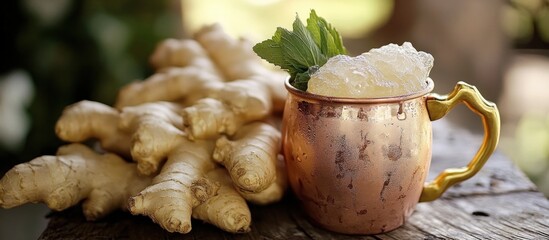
438	106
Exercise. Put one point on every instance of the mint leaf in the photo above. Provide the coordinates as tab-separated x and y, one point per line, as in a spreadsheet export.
338	40
328	43
314	27
299	47
303	50
273	51
302	79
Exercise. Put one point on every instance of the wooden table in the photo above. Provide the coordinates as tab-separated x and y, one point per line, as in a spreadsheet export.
498	203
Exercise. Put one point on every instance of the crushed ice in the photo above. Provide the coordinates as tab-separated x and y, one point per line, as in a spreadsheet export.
391	70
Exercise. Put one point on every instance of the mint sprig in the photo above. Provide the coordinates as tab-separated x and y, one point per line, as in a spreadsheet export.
302	51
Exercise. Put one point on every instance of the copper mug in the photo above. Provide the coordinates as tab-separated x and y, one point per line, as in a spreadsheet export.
358	165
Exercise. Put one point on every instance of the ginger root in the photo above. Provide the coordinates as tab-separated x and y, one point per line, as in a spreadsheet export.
227	210
147	132
87	119
251	156
171	84
238	78
156	131
238	61
221	119
178	188
199	132
248	101
103	181
275	191
182	53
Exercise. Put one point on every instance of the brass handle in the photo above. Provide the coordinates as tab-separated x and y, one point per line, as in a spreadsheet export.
438	106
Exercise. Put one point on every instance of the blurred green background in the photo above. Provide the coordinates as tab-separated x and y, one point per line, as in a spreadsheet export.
73	50
58	52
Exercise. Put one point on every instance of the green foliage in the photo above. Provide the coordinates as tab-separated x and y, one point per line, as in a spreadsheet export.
303	50
88	52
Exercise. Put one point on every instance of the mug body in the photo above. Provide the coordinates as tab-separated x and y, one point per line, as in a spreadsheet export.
357	166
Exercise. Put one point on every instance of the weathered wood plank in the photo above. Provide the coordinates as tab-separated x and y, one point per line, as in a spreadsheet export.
269	222
519	215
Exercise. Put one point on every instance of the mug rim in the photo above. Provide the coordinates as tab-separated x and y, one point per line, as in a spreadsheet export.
291	89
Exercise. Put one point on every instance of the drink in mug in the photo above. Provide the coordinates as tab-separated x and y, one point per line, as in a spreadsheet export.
358	142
